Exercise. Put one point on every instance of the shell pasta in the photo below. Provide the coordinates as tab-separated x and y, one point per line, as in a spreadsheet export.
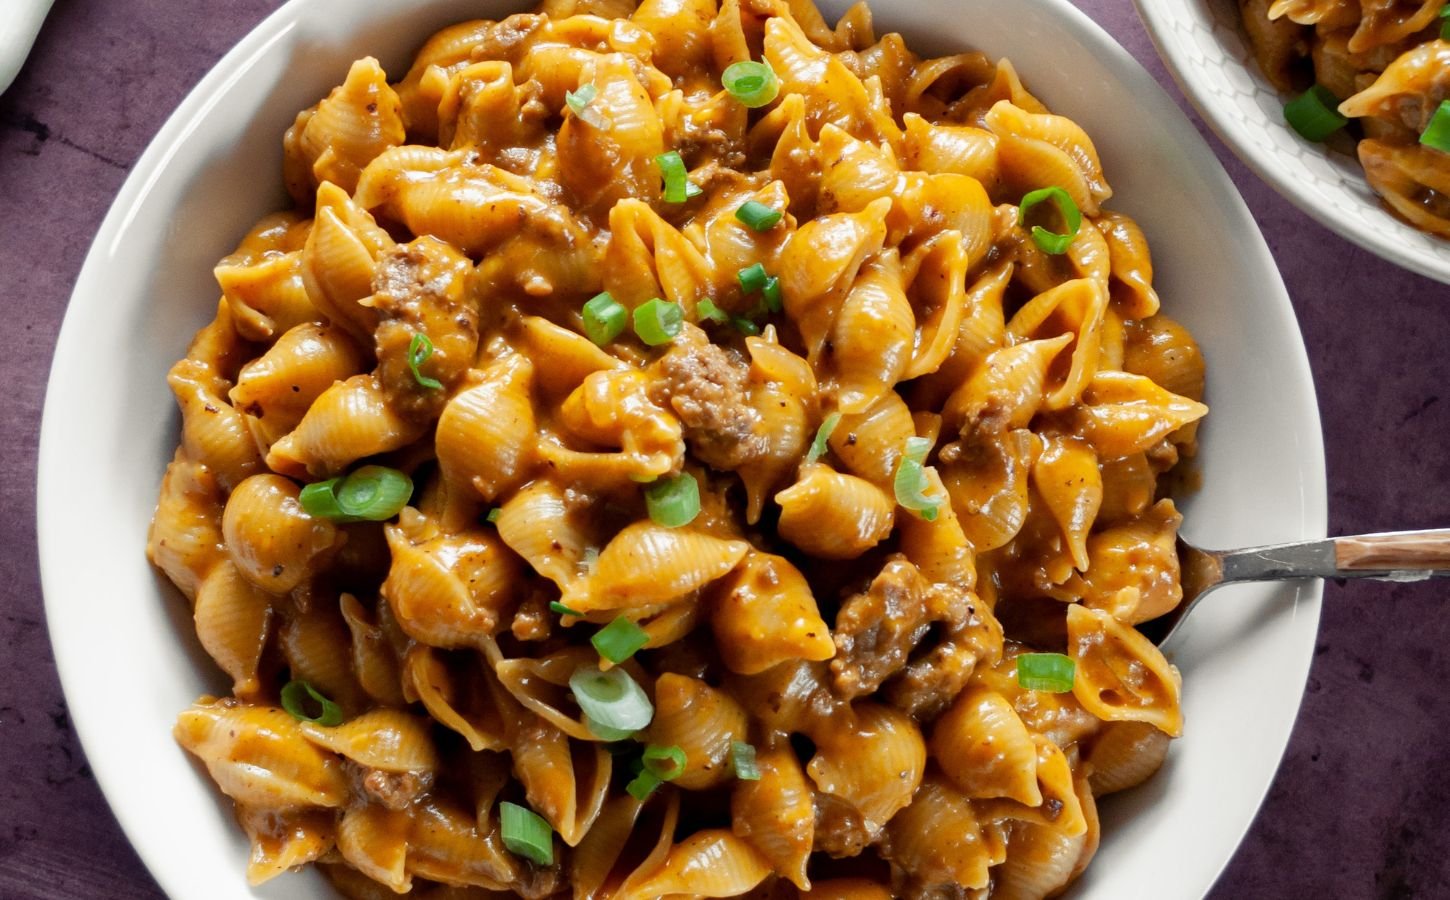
682	448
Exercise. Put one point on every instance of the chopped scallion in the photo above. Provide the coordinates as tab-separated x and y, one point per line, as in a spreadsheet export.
563	610
753	278
1436	135
774	299
678	186
1051	672
605	733
911	483
742	757
294	700
493	514
1445	24
526	833
1314	114
370	494
745	326
752	83
707	310
418	352
579	100
673	502
666	763
619	640
1052	242
758	216
604	318
823	434
658	321
612	699
643	785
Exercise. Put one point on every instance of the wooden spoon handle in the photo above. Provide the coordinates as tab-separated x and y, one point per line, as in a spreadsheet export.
1405	551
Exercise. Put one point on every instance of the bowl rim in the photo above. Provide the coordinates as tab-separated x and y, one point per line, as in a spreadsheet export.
53	483
1159	18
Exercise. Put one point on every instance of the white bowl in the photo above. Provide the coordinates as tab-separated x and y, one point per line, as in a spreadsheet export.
123	640
1204	46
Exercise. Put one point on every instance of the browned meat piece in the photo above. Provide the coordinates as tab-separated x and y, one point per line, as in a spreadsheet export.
394	790
926	687
839	830
705	385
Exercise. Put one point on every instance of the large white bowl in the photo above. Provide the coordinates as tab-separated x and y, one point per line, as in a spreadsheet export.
124	643
1204	46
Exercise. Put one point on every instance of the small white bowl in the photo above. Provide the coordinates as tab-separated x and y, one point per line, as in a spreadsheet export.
1203	44
123	640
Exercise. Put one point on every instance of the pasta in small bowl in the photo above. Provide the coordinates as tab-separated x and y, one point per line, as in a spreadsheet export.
679	448
1341	110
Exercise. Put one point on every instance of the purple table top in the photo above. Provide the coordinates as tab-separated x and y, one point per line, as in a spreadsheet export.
1358	807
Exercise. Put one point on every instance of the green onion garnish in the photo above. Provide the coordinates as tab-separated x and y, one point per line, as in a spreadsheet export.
706	309
563	610
579	100
1050	241
773	297
1046	672
370	494
752	83
1436	135
666	763
294	699
742	757
418	352
911	483
1314	114
1445	26
753	278
823	434
745	326
526	833
612	699
673	502
619	640
604	319
759	216
643	785
493	514
678	186
658	321
605	733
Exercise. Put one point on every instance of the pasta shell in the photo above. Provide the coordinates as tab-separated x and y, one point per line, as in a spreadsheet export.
386	739
701	721
875	763
1067	477
591	863
315	646
457	700
647	258
282	842
562	358
359	119
932	147
258	757
277	388
1125	755
1132	266
420	90
765	614
486	434
939	548
338	261
541	525
834	516
986	751
647	564
233	622
1133	571
1058	132
819	265
605	167
374	659
350	420
872	335
870	443
936	840
776	814
266	297
988	486
446	845
1008	389
1103	647
272	540
710	863
374	840
447	590
185	540
213	432
1124	414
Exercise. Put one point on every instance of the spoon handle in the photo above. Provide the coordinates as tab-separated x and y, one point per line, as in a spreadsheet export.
1392	556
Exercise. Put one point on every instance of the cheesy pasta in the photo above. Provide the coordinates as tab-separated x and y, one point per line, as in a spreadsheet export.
1385	66
682	449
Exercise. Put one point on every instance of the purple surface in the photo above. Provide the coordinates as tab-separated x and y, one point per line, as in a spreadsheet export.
1358	807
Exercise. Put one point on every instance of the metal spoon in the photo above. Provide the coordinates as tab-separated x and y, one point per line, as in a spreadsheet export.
1392	556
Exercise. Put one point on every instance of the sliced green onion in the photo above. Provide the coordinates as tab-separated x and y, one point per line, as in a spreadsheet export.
678	186
619	640
1046	672
706	309
752	83
745	326
643	785
1436	135
563	610
418	352
823	434
370	494
759	216
742	757
753	278
774	300
579	100
605	733
1445	26
658	321
612	699
604	318
526	833
493	514
1314	114
911	483
294	700
673	502
666	763
1050	241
